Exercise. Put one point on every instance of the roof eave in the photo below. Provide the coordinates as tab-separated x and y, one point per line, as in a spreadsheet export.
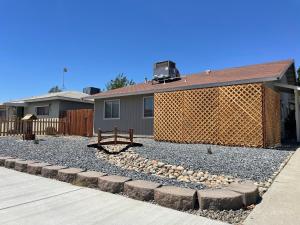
59	98
25	101
196	86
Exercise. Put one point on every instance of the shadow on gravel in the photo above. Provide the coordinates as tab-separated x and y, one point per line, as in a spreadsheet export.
287	146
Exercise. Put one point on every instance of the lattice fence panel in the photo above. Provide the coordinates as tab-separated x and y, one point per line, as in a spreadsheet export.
231	115
201	115
271	117
168	119
240	115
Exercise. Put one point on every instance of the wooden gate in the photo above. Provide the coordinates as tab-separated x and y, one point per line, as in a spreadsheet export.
79	122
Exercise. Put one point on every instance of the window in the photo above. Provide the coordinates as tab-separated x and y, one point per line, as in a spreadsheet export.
148	107
42	111
112	109
2	113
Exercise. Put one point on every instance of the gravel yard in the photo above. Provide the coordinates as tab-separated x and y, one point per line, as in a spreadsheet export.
73	152
245	163
242	163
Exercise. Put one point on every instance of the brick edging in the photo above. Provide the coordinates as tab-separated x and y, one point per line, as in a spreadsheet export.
169	196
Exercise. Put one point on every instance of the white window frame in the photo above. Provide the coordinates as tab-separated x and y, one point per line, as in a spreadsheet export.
111	100
147	117
40	106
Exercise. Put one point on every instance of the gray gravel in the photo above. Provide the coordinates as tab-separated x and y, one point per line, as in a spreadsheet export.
245	163
229	216
73	152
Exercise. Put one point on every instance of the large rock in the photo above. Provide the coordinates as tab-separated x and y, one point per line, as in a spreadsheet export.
88	178
2	160
219	199
10	163
112	184
175	197
36	168
68	175
21	166
248	190
51	171
140	189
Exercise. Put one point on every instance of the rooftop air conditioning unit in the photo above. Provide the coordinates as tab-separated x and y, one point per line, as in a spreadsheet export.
165	71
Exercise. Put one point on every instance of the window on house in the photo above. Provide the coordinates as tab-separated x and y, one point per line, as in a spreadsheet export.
42	111
148	107
2	113
112	109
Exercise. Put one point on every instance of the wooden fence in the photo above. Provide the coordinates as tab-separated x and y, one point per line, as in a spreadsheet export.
75	122
80	122
47	126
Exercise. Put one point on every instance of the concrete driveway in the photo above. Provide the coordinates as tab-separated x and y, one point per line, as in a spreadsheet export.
30	200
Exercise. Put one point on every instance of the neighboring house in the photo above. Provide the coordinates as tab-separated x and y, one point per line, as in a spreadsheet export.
235	106
51	105
2	112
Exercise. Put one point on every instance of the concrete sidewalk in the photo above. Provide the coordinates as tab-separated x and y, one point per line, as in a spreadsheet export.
281	203
28	200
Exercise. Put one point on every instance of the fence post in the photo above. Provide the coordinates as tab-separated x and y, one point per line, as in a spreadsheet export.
131	136
99	136
115	134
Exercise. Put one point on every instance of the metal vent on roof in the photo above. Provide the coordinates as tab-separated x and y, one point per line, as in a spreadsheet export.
207	71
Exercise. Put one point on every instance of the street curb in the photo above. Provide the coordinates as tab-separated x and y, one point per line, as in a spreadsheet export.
168	196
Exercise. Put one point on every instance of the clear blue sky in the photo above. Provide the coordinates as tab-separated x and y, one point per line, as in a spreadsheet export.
96	40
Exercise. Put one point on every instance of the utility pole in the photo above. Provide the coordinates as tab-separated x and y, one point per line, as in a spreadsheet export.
64	71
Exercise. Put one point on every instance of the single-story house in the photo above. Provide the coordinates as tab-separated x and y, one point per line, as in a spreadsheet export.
241	106
51	105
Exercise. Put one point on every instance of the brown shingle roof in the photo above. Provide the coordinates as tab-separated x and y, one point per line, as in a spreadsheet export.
237	75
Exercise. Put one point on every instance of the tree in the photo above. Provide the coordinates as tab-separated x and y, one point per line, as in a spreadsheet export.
120	81
54	89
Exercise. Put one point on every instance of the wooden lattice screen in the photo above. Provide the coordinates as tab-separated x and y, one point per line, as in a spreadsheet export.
272	129
230	115
240	115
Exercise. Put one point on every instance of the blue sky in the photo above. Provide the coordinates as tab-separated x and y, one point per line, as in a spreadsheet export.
96	40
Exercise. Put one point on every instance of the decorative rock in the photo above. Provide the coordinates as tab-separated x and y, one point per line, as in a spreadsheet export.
248	190
51	171
2	160
175	197
190	172
160	164
68	175
21	166
219	199
130	160
140	189
36	168
10	163
88	178
112	184
180	168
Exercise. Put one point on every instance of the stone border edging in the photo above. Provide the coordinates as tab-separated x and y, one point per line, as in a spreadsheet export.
235	196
